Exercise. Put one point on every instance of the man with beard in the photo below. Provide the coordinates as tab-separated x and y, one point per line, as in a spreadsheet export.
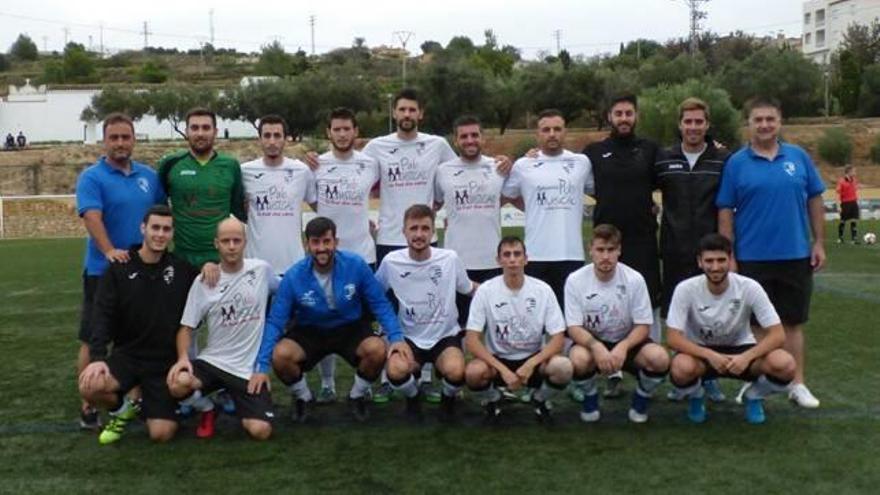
709	328
111	197
469	187
688	175
204	187
324	296
623	168
137	309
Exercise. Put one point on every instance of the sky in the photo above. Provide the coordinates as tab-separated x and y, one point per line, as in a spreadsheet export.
585	27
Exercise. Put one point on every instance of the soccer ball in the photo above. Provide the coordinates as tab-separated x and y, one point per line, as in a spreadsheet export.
870	238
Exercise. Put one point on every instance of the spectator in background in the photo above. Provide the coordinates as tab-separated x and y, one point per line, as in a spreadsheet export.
848	197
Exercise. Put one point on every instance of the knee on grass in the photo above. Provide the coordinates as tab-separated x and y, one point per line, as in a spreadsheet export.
257	429
161	430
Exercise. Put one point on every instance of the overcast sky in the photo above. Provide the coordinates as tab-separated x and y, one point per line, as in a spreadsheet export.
587	26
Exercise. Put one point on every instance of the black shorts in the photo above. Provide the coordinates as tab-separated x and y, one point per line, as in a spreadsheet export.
788	283
849	211
152	378
629	365
247	406
676	267
90	287
423	356
319	342
463	302
513	364
732	350
554	274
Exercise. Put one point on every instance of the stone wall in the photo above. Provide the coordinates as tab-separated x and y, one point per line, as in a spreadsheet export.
41	218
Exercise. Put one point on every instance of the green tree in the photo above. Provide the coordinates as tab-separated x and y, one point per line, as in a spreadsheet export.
171	102
130	102
847	81
661	70
274	61
452	89
431	46
658	112
505	100
835	146
573	92
498	61
869	95
5	64
24	48
153	72
460	47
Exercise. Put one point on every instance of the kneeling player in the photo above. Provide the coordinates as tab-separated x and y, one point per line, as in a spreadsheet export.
425	281
323	295
609	315
235	309
516	310
709	328
142	336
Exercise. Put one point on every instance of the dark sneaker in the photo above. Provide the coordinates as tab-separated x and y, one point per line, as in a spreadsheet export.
447	407
542	411
492	412
301	411
358	408
414	406
613	387
89	419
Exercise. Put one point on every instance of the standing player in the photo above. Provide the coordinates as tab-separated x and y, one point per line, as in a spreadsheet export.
112	196
608	312
688	175
708	327
324	296
552	184
848	197
776	250
515	311
204	187
469	187
235	309
126	315
425	281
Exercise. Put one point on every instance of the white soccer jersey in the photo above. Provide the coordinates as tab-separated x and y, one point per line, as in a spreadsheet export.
553	188
515	321
343	193
274	197
406	178
721	320
608	310
426	292
471	195
236	314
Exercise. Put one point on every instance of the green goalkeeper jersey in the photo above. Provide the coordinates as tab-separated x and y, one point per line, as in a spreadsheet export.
201	196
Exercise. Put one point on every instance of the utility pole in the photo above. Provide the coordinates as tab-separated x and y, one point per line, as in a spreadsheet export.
558	35
312	28
404	37
696	15
66	31
101	37
45	43
211	24
146	32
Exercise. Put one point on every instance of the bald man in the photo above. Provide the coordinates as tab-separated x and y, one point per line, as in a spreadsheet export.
235	311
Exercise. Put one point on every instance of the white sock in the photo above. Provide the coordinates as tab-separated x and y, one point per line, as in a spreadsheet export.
384	378
300	389
587	385
648	383
409	388
694	390
489	394
763	386
327	368
545	392
198	402
360	387
449	389
427	373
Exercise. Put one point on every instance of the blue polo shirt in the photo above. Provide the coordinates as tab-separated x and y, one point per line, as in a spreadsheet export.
122	200
769	200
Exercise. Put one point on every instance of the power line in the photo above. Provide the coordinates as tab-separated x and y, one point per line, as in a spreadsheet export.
404	37
696	15
558	35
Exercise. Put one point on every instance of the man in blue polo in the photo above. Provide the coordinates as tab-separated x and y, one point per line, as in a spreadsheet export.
112	197
323	295
769	204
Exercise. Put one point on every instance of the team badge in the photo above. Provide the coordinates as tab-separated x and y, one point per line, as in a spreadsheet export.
143	184
789	168
168	275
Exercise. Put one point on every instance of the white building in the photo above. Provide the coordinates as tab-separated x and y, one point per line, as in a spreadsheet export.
826	21
44	114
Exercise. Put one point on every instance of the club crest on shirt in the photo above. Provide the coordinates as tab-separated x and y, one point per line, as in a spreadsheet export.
621	291
435	275
288	177
168	275
421	148
790	168
348	291
531	304
250	278
143	184
568	166
735	304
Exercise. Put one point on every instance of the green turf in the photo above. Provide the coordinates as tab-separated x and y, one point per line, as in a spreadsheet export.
830	450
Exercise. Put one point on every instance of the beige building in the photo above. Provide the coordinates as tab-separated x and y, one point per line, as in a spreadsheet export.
826	21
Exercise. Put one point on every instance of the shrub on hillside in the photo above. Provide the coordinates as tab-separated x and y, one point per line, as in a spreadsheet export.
835	147
658	112
875	151
523	146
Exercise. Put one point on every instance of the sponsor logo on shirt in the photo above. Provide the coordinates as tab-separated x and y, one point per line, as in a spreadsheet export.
703	309
187	172
500	305
405	274
259	175
132	276
591	296
606	155
559	196
308	299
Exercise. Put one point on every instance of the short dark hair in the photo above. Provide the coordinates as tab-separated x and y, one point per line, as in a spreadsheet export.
714	242
508	240
201	112
158	210
607	232
418	211
624	98
407	94
271	119
342	113
761	102
319	226
117	118
550	112
465	120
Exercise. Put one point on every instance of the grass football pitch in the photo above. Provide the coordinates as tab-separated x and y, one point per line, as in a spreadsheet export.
829	450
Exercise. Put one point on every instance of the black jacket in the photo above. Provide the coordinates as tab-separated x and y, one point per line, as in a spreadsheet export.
138	308
689	210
